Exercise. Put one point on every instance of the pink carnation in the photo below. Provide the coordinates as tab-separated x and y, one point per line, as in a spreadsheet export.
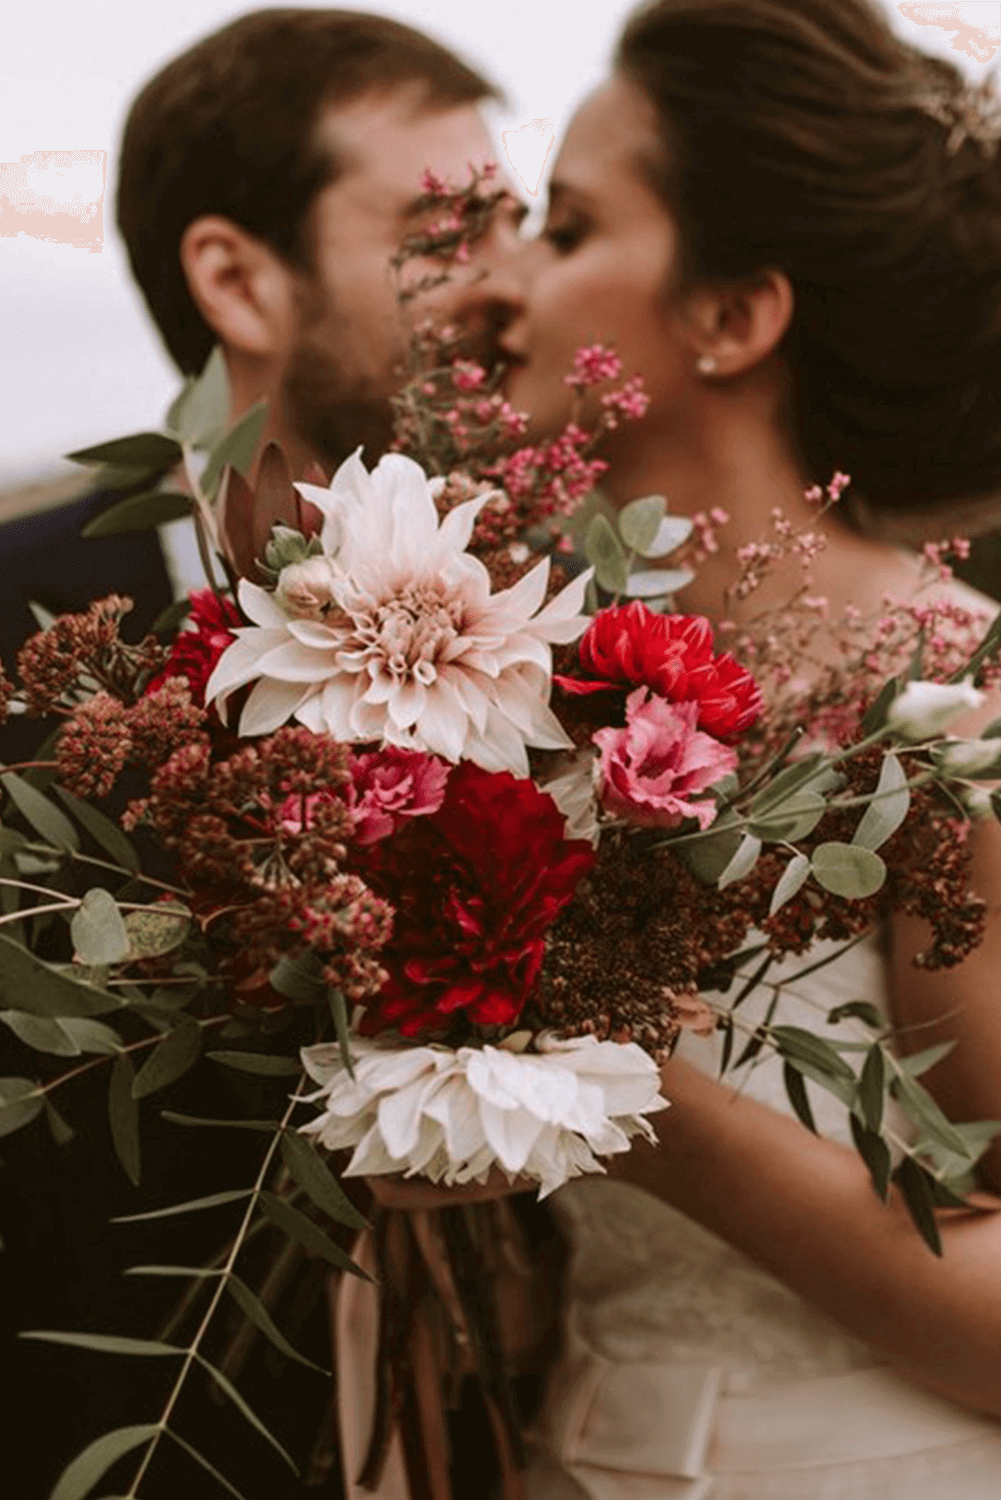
652	767
390	785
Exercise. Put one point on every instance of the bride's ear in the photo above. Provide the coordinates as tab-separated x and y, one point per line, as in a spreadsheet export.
240	286
735	328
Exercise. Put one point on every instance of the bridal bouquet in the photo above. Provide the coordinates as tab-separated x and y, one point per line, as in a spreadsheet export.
460	829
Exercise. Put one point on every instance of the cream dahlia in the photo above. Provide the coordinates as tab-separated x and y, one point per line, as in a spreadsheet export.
413	649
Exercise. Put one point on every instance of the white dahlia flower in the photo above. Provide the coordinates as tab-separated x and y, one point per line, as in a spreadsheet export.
451	1115
413	650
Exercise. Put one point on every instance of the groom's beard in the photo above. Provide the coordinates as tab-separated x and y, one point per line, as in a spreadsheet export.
329	403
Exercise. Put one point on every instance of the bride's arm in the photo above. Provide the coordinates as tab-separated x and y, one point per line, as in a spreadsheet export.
804	1208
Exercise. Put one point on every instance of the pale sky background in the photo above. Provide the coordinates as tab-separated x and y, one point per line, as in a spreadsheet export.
79	360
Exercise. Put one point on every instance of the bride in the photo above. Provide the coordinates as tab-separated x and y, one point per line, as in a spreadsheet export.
790	223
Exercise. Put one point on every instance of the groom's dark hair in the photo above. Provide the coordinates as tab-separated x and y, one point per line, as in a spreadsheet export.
231	128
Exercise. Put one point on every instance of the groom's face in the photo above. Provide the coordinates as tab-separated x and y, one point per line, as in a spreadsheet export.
350	340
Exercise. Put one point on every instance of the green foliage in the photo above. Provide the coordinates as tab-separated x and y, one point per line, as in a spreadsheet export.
53	825
139	513
861	1010
146	452
156	930
98	929
339	1011
795	817
28	983
20	1102
265	1064
79	1477
308	1233
797	1095
887	812
743	861
170	1059
123	1117
791	881
101	829
848	870
200	413
639	523
243	1406
194	1205
605	553
237	447
308	1170
258	1314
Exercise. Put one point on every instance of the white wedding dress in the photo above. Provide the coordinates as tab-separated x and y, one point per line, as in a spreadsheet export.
689	1373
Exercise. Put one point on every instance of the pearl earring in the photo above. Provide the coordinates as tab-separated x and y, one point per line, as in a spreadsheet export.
707	364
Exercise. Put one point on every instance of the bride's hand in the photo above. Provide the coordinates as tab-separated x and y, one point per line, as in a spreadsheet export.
417	1193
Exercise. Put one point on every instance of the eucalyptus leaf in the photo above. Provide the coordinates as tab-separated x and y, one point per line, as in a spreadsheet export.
199	1458
790	882
237	447
884	816
794	818
603	551
139	513
53	825
339	1011
708	857
265	1064
848	870
862	1010
188	1271
62	1132
123	1117
671	533
91	1035
170	1058
298	1226
201	412
804	1046
20	1102
105	1343
156	929
43	1033
914	1184
298	980
919	1105
875	1153
743	861
214	1200
877	713
98	930
269	1127
921	1062
652	583
872	1088
145	451
101	829
639	522
258	1314
78	1478
798	776
797	1095
246	1409
314	1177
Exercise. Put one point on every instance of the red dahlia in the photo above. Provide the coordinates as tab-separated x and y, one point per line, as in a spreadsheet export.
195	652
629	646
476	886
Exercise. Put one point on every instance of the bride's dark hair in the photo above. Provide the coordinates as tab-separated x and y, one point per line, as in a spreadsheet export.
804	135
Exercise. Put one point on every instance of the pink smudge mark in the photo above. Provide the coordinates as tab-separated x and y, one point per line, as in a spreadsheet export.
979	40
56	196
528	149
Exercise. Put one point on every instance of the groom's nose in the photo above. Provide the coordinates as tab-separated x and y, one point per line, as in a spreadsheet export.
492	295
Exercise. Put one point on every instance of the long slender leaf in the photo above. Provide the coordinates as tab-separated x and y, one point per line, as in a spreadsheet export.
339	1011
103	1343
247	1410
62	1133
123	1117
53	825
43	1033
794	1042
916	1102
197	1271
214	1200
261	1318
139	512
267	1126
875	1153
299	1227
170	1059
147	450
317	1181
920	1204
872	1088
237	447
101	829
266	1064
20	1102
28	983
200	1458
760	1034
798	1097
80	1476
921	1062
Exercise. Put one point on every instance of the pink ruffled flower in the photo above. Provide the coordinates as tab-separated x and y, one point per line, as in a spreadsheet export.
390	785
653	767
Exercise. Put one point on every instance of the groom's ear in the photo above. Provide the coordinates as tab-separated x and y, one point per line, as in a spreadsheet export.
243	290
740	325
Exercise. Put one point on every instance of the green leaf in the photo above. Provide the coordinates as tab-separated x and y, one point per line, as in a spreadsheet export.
639	522
190	1271
43	1033
10	841
247	1410
798	1098
914	1184
302	981
20	1102
921	1062
91	1035
170	1059
708	857
803	1046
793	818
916	1102
301	1228
261	1318
988	646
78	1478
314	1177
101	829
237	447
214	1200
157	929
848	870
876	714
265	1064
863	1010
872	1088
201	412
221	1479
875	1153
104	1343
139	513
790	882
267	1126
62	1132
727	1028
123	1117
53	825
339	1011
143	450
603	550
792	778
743	861
97	929
653	583
672	531
884	816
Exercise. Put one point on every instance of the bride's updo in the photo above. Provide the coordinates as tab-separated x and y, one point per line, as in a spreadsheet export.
804	135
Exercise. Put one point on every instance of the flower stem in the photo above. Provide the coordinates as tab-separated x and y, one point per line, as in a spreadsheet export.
104	864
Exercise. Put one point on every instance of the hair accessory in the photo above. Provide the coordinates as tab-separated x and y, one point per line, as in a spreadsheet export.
974	114
706	364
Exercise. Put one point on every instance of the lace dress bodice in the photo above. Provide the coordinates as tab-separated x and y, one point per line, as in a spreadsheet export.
646	1283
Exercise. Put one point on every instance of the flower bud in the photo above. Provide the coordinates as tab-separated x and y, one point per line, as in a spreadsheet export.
924	709
306	589
970	758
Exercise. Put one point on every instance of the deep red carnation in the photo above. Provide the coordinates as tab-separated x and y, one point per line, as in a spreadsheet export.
195	652
476	886
629	646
